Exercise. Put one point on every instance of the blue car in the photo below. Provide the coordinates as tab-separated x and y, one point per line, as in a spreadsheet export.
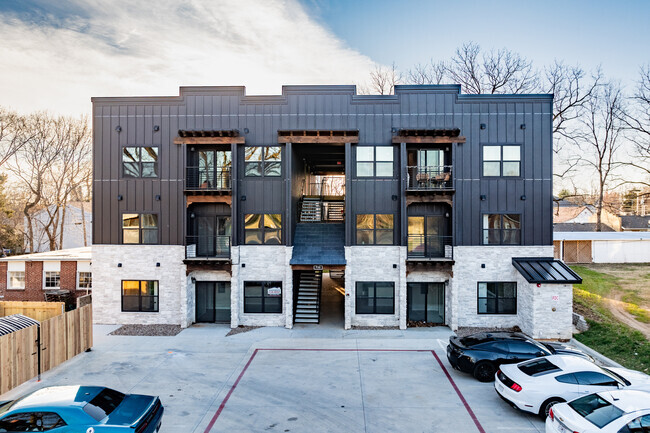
83	409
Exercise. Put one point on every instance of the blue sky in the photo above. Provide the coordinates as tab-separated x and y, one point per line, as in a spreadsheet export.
615	34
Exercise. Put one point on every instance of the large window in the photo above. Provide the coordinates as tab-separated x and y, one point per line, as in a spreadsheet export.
374	161
16	280
501	229
139	228
140	161
375	298
375	229
497	298
52	280
263	161
263	297
85	280
140	296
263	229
502	160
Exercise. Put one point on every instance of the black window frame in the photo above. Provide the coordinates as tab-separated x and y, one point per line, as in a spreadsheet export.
501	231
357	298
139	163
140	228
374	162
262	230
501	160
264	285
497	298
263	163
140	296
374	230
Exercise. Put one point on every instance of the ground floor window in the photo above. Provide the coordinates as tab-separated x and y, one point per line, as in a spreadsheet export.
140	296
263	297
85	280
16	280
497	298
52	280
375	298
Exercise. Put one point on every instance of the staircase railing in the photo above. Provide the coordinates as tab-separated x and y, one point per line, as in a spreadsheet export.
319	274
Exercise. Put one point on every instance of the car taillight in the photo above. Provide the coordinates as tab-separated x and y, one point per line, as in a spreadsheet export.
550	414
515	387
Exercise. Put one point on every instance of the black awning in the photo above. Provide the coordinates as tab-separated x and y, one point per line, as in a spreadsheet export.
545	270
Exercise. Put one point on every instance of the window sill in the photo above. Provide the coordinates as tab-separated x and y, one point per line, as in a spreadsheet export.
15	290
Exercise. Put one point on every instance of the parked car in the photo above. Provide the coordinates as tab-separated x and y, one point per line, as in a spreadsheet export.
536	385
481	354
71	409
619	411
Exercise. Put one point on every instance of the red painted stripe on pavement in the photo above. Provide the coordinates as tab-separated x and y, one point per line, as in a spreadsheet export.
453	384
352	350
232	389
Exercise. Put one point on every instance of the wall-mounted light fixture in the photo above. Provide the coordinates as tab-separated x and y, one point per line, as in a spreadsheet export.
119	197
192	215
118	128
157	264
246	130
193	280
243	198
119	265
446	214
156	128
394	197
394	266
522	126
393	130
483	126
523	197
157	197
483	197
243	265
483	265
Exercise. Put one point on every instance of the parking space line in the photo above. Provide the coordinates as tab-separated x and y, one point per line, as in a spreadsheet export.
250	360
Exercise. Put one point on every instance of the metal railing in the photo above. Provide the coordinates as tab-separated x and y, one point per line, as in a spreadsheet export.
207	179
430	247
332	186
439	177
207	247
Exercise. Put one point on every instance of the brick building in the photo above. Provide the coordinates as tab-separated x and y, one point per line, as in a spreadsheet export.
29	277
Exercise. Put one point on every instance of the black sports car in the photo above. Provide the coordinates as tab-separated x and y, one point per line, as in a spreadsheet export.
481	354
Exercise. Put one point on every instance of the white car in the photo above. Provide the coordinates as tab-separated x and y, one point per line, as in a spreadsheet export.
536	385
618	411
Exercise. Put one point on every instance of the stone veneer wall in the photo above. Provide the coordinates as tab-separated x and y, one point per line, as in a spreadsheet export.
139	263
534	304
262	263
374	264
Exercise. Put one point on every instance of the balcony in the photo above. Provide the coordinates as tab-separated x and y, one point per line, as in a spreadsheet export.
430	248
430	178
208	179
215	247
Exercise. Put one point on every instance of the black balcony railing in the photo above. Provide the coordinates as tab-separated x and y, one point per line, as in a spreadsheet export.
437	177
207	247
430	247
207	179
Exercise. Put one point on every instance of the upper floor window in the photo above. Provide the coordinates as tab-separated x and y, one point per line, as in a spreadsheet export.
263	161
375	229
140	161
52	280
85	280
502	160
16	280
139	228
374	161
263	229
501	229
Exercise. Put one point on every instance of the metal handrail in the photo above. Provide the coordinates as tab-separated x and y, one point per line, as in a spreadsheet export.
435	177
430	246
206	247
202	178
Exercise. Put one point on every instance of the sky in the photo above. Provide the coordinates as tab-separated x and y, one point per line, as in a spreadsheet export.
56	55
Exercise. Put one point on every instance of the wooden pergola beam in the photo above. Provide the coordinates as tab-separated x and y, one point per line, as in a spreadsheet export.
317	139
428	140
209	140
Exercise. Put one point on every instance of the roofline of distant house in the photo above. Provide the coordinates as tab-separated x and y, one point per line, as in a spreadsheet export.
83	254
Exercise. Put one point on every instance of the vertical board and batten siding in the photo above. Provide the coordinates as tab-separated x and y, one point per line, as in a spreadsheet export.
326	107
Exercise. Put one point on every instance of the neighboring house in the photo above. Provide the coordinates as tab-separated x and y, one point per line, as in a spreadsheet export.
435	207
566	212
602	247
30	276
580	227
77	225
635	223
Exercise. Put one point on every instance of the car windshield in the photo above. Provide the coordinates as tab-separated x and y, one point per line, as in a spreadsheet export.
538	367
549	347
596	410
104	403
5	405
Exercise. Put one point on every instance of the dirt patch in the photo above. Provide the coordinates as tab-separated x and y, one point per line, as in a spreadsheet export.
631	278
241	329
148	330
586	312
619	310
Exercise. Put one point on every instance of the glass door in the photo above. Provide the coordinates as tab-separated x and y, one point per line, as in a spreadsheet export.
212	301
222	302
206	169
426	302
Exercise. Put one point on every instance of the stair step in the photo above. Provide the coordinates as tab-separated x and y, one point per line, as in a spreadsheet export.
306	311
307	316
306	320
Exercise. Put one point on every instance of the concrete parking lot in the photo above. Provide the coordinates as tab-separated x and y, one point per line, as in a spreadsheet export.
308	379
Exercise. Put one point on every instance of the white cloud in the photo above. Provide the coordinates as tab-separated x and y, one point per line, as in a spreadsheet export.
123	48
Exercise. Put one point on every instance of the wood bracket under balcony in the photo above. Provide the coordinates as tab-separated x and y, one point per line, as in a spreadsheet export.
225	136
429	136
318	136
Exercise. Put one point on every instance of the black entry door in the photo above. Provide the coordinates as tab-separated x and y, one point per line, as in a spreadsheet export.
212	301
426	302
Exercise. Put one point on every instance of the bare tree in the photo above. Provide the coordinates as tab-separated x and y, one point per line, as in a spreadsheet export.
603	138
429	73
12	134
382	81
637	121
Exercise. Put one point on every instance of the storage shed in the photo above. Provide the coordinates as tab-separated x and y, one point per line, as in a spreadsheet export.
602	247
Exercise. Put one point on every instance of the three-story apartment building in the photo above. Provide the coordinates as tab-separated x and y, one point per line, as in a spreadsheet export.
433	205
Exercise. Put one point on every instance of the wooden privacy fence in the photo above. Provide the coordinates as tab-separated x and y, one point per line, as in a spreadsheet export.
27	353
36	310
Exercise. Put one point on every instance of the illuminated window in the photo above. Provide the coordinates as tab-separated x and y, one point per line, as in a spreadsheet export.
139	228
263	229
140	296
375	229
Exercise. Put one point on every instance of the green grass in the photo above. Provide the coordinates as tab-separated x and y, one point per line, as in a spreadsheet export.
596	282
640	314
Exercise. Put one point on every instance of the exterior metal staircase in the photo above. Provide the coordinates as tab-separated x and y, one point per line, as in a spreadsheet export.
336	211
310	210
308	299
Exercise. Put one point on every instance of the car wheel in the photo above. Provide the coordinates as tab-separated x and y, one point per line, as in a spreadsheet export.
484	371
546	406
